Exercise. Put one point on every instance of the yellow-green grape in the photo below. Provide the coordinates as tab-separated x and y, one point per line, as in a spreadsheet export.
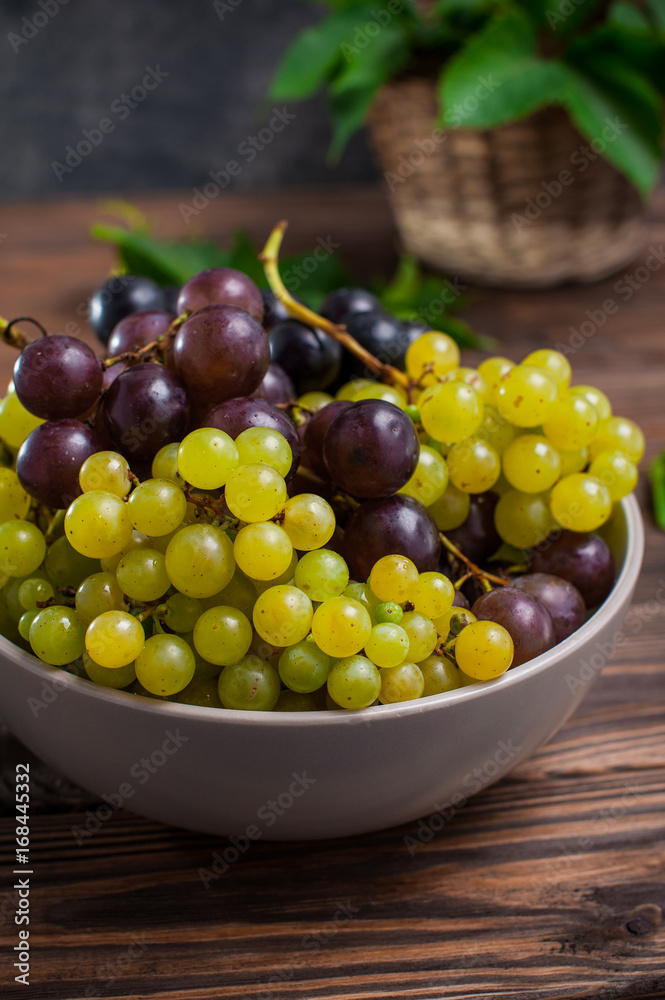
199	560
473	464
14	501
10	593
182	612
313	401
388	611
97	524
114	639
377	390
285	577
106	471
581	502
239	593
223	635
527	396
97	594
616	471
451	411
255	492
111	677
207	457
349	389
57	635
439	675
32	590
354	682
402	683
137	541
573	461
165	665
304	668
430	479
282	615
201	691
66	567
573	424
484	650
435	350
15	421
394	578
620	434
387	645
165	464
322	574
341	626
452	509
203	669
249	685
309	521
493	370
157	507
531	464
598	400
433	595
363	593
142	575
422	635
496	430
263	550
553	362
473	378
453	620
523	519
22	548
267	446
292	701
24	623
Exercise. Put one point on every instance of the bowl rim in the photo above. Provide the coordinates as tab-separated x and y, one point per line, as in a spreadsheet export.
623	585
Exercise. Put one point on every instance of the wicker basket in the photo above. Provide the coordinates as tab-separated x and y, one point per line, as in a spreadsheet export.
522	205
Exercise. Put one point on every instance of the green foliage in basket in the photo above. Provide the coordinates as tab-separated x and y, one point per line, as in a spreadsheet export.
496	61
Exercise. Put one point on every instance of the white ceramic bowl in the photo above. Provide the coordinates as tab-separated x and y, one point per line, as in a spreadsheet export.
295	775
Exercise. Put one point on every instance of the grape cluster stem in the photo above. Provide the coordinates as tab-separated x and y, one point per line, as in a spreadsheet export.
485	578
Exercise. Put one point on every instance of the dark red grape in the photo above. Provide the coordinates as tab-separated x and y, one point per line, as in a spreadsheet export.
236	415
118	297
382	335
137	330
341	303
563	601
57	377
49	460
584	559
171	293
221	352
145	408
478	538
460	601
311	358
315	431
393	525
525	617
276	387
221	286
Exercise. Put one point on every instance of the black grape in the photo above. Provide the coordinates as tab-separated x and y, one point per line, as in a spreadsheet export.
118	297
311	358
478	538
341	303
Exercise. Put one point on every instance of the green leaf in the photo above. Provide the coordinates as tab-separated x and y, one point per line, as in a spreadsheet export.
164	262
657	11
625	15
657	480
562	24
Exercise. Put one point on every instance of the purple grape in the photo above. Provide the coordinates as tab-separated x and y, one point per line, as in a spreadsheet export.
171	293
563	601
145	408
118	297
460	601
477	538
220	353
311	358
526	618
274	310
58	377
221	286
584	559
315	431
341	303
236	415
276	387
137	330
392	525
49	460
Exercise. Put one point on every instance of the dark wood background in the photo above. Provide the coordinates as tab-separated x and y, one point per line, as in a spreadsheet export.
549	884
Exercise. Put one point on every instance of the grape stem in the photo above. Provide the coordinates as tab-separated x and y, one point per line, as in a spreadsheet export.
16	338
149	349
471	566
270	258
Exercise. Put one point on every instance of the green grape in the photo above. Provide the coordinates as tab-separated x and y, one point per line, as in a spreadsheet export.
263	445
435	351
433	595
240	593
523	519
493	370
286	577
496	430
114	639
484	650
450	411
251	685
598	400
387	645
303	667
255	492
430	479
201	691
203	669
620	434
25	621
16	423
165	464
388	611
183	612
322	574
531	464
207	457
11	589
97	524
581	502
453	620
393	578
349	389
376	390
616	471
157	507
222	635
292	701
309	521
112	677
553	362
422	635
439	675
57	635
362	593
105	471
341	626
452	509
22	548
14	501
97	594
474	465
401	683
354	682
473	378
573	461
313	401
527	396
142	575
137	541
283	615
32	590
263	550
573	423
199	560
165	665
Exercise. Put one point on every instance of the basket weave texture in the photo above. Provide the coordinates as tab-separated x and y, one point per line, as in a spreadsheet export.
530	204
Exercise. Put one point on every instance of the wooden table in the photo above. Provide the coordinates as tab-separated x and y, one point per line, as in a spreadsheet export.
549	884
